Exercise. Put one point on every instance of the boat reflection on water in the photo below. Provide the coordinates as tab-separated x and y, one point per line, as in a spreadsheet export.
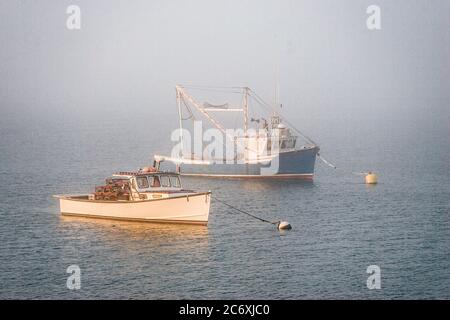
136	235
238	184
262	185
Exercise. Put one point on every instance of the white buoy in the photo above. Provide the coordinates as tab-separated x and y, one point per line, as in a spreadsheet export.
284	225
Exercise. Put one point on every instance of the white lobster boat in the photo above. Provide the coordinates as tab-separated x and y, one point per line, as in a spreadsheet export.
147	195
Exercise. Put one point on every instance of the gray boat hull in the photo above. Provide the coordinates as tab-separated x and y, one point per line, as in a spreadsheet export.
296	164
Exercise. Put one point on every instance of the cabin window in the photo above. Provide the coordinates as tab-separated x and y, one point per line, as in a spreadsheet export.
175	182
154	182
165	182
142	182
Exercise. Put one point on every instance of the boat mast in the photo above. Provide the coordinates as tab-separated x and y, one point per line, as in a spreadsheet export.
276	102
180	118
245	108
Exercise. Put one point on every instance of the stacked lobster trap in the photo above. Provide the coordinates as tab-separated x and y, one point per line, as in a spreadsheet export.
114	189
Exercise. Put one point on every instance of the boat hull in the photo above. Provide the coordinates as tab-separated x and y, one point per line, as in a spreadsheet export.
296	164
191	209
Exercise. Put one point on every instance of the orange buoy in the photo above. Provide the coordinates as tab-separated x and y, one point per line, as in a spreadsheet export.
371	178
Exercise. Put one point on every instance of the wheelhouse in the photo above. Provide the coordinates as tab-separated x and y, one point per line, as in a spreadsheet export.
156	182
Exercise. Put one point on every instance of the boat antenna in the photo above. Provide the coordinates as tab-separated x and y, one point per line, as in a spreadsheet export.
245	111
277	88
180	120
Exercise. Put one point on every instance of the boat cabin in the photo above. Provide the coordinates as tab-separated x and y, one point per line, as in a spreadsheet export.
132	186
156	182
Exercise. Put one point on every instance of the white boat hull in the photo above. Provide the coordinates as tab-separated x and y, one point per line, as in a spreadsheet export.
192	208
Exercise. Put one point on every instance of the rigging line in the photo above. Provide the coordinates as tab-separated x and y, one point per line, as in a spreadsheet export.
244	212
184	119
209	87
360	173
260	104
263	103
334	167
235	120
210	118
299	132
190	114
216	90
326	162
193	117
189	110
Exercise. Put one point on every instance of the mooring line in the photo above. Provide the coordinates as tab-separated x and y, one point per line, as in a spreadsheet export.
281	225
244	212
328	163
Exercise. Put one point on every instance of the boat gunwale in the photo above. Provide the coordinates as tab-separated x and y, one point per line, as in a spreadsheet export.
68	197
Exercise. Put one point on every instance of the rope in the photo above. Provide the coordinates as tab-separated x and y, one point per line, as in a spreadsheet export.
205	87
214	88
188	109
326	162
244	212
360	173
334	167
261	102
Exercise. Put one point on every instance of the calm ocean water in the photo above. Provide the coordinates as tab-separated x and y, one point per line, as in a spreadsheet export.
340	225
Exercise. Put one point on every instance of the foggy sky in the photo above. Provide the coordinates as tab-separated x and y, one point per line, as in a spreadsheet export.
128	55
